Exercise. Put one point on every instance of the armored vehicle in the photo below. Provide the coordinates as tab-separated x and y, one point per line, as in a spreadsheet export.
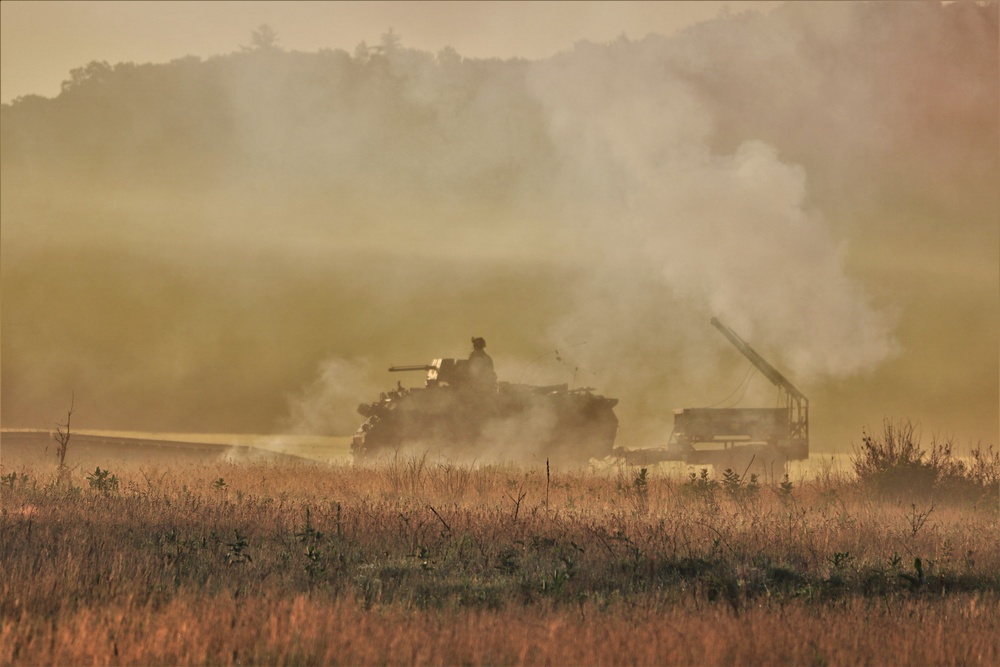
461	412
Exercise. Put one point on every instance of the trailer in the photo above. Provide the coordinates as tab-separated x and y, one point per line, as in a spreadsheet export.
737	437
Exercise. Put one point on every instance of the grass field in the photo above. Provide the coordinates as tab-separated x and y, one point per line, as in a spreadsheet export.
415	561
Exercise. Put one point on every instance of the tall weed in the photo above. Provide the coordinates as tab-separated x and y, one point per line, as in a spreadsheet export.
895	465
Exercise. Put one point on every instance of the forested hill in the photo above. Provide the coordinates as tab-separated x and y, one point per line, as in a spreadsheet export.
889	90
191	245
389	115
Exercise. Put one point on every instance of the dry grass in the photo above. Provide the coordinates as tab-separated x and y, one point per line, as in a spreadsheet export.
419	562
315	630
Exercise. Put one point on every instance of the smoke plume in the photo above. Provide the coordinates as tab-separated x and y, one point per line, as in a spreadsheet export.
245	243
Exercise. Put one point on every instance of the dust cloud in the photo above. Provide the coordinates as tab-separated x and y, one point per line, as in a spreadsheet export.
246	243
328	404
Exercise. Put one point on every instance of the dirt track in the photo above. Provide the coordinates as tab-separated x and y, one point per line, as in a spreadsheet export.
19	447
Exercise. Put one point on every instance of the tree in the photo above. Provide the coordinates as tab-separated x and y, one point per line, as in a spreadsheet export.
93	71
62	437
449	57
264	38
362	52
391	42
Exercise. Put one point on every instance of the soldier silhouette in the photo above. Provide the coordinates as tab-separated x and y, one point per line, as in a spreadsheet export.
481	371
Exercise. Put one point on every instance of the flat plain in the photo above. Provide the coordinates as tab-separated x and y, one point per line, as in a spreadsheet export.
412	560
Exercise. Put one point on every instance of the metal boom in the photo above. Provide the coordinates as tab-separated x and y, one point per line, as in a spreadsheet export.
798	404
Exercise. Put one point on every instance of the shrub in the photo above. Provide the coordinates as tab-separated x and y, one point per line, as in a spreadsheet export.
894	464
103	480
701	484
738	487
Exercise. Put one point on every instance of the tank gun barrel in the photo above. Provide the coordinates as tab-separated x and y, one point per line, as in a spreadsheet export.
416	367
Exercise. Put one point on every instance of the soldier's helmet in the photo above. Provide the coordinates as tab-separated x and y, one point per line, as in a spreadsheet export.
478	343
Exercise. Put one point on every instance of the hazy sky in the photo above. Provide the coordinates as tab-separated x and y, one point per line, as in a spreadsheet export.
42	41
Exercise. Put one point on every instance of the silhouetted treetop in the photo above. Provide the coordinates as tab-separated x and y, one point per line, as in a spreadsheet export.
264	38
93	73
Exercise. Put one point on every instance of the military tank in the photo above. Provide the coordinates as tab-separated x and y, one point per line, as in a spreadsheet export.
460	412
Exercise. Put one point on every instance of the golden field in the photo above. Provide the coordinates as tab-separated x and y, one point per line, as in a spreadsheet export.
416	561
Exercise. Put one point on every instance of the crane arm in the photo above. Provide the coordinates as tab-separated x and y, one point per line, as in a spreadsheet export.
767	369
